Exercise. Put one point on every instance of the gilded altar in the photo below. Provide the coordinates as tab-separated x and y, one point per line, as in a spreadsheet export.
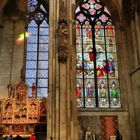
21	114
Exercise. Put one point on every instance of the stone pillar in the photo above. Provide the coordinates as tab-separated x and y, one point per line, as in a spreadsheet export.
132	25
1	28
133	40
53	91
138	27
124	71
62	116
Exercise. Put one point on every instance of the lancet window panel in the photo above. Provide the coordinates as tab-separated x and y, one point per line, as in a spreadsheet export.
37	49
97	64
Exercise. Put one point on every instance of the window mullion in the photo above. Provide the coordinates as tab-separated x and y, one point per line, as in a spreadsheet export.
25	50
83	65
95	71
37	59
106	66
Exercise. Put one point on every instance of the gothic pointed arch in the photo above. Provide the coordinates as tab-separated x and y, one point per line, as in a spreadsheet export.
97	63
37	48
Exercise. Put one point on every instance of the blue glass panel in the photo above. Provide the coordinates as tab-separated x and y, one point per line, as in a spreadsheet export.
31	47
44	31
43	39
42	92
44	24
42	73
32	24
43	56
30	82
42	82
32	39
43	47
31	56
30	73
32	31
43	65
30	92
31	64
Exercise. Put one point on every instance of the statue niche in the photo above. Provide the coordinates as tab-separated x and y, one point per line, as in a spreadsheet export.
63	40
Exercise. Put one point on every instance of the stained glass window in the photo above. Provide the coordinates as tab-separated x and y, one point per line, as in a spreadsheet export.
97	65
37	49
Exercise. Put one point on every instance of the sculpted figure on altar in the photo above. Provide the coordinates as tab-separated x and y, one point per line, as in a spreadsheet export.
34	95
22	87
21	91
11	90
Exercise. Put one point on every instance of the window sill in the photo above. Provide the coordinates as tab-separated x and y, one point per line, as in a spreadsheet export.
102	110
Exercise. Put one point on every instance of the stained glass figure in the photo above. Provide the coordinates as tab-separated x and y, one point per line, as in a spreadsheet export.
37	49
97	65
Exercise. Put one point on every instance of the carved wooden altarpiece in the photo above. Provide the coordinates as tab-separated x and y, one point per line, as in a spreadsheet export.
21	114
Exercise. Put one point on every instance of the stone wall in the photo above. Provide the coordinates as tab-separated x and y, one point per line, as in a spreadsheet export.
135	82
11	55
92	120
132	27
